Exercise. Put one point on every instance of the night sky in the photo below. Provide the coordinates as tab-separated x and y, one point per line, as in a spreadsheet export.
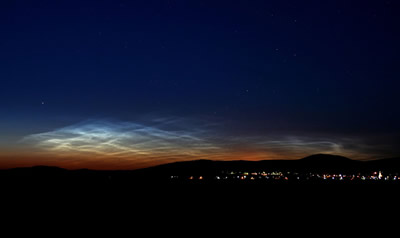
108	84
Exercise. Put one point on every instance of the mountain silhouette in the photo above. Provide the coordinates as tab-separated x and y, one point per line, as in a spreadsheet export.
319	163
326	158
387	164
328	163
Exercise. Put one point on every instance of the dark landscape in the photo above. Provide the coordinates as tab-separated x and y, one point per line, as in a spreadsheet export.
315	169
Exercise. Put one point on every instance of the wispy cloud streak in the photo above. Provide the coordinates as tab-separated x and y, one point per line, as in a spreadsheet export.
108	138
128	143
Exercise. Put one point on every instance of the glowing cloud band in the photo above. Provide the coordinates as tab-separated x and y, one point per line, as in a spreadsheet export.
136	145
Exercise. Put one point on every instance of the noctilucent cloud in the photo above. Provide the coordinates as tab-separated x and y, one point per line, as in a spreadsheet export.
131	84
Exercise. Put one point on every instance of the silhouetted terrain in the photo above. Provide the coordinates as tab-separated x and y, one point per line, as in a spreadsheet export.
310	169
313	163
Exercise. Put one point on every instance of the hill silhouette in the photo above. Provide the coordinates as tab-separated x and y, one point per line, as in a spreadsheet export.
326	158
387	164
319	163
313	162
326	162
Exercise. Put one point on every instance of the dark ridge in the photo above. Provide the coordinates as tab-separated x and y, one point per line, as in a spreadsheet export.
209	167
205	167
329	163
388	164
326	158
320	163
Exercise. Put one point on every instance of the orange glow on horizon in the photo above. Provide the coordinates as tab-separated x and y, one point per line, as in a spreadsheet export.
14	160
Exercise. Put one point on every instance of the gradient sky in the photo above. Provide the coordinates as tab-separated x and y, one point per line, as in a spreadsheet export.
110	84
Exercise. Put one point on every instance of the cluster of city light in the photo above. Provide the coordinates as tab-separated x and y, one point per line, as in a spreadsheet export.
374	176
294	176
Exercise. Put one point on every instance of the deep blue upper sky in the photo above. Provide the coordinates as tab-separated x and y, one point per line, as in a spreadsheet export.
256	68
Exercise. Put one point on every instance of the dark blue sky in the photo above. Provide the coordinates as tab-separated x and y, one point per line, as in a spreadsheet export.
311	70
